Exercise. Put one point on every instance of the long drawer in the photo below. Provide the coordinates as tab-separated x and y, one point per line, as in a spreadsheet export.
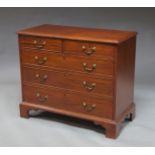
55	98
67	62
67	80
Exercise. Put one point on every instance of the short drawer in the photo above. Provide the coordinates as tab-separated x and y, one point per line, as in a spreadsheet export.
99	50
40	43
65	100
72	63
71	81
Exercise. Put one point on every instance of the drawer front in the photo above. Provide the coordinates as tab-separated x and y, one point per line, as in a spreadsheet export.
102	51
72	81
40	43
55	98
69	62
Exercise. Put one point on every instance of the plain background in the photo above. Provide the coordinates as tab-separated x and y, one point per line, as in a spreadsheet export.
53	130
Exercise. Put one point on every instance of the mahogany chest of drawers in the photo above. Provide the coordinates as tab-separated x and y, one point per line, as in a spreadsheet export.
80	72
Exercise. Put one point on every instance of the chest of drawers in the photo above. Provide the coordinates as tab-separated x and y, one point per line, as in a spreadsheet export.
80	72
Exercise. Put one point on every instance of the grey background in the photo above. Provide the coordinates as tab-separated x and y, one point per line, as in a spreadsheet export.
53	130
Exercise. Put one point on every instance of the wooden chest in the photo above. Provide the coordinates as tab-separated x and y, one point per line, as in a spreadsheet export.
80	72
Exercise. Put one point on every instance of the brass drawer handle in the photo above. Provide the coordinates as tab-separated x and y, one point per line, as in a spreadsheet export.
89	87
87	69
88	107
41	98
89	51
41	79
38	44
40	61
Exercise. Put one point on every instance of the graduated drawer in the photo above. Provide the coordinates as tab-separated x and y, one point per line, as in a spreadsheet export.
102	51
75	102
40	43
67	62
71	81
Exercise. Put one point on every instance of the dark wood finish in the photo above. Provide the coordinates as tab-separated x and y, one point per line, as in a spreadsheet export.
71	81
41	43
78	33
101	51
67	62
67	100
125	76
80	72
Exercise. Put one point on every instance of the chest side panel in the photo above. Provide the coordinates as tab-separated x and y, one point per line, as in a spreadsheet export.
124	82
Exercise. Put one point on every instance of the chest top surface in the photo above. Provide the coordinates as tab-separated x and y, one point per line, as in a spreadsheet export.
78	33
